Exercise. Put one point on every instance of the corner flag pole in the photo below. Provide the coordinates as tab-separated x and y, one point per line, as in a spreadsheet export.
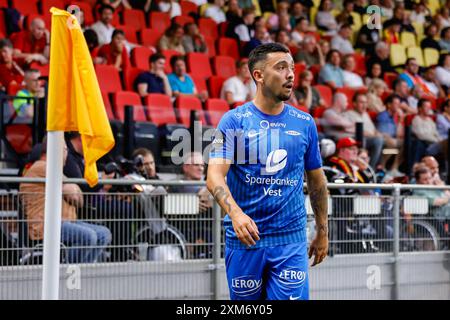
52	218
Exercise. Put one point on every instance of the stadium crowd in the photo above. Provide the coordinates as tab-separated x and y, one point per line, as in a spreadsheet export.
194	52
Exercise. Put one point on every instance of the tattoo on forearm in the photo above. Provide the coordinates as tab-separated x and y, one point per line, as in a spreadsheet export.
319	200
220	194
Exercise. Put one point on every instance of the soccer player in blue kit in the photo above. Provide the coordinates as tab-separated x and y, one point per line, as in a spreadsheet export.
259	157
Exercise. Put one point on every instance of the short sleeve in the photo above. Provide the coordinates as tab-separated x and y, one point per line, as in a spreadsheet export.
224	138
313	159
173	83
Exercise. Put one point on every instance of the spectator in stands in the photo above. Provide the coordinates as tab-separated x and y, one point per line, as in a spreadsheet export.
324	47
438	200
215	11
116	4
331	74
375	72
424	128
155	80
32	45
375	91
193	40
173	39
305	94
433	165
10	72
239	87
234	12
444	42
282	37
103	27
432	84
391	125
367	39
373	138
429	41
148	170
300	30
180	82
387	9
351	78
244	29
381	56
391	34
405	95
115	53
442	18
401	17
342	41
311	52
443	120
261	36
420	14
170	6
345	16
411	75
88	240
297	14
360	6
273	22
25	107
325	21
443	71
334	123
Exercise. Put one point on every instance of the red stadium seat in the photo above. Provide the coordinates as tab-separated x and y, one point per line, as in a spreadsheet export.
124	98
224	66
182	20
140	57
19	137
150	37
215	84
325	93
160	109
47	4
134	18
216	108
208	27
199	63
298	69
211	45
302	108
131	75
389	78
108	78
3	3
318	112
360	64
188	7
130	33
315	69
223	26
200	83
409	119
13	88
108	108
169	54
228	47
2	23
184	106
87	11
43	69
26	7
159	20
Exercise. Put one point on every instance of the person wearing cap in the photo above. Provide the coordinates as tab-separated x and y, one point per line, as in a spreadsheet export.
345	159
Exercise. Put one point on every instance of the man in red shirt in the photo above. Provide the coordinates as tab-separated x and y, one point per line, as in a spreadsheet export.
10	72
114	53
34	44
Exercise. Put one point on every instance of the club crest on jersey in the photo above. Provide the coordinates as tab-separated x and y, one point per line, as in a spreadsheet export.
276	161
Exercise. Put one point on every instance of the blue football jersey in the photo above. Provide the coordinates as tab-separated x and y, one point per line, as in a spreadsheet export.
270	154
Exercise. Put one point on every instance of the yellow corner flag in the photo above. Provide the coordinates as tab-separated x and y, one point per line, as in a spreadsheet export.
74	98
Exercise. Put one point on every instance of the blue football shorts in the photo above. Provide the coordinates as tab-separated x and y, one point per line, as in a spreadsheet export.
270	273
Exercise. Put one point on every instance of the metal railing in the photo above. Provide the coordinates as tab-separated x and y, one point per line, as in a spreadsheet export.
176	223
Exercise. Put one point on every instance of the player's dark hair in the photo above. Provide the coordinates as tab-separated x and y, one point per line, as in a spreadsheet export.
260	53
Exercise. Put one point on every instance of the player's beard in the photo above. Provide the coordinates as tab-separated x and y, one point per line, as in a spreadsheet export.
284	97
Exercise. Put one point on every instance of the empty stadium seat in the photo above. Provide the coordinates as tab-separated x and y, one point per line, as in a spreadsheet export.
159	20
26	7
150	37
124	98
19	138
223	26
228	47
182	20
208	27
415	52
298	69
397	54
200	83
216	108
131	75
224	66
325	93
431	57
211	45
160	109
47	4
108	108
140	57
215	84
169	54
360	64
108	78
43	69
3	3
2	23
188	7
199	63
408	39
134	18
184	105
315	69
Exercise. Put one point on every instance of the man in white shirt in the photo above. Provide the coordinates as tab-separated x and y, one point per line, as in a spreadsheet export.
373	138
443	70
351	79
240	87
170	6
215	11
104	28
341	41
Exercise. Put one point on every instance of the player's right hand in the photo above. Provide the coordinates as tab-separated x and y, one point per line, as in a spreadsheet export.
245	229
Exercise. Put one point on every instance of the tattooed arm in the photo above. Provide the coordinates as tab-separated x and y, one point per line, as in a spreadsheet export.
245	228
318	194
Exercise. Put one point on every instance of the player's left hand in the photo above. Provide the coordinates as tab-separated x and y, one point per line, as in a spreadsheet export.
319	248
